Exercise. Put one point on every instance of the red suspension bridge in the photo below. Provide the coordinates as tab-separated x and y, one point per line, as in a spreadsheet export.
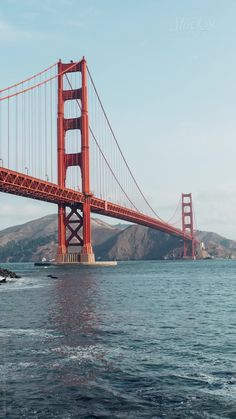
54	149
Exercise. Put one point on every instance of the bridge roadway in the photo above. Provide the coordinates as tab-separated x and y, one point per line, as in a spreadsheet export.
23	185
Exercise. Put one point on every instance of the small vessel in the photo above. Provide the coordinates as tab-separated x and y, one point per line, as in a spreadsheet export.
43	262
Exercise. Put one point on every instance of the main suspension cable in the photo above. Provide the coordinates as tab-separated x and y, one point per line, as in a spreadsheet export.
29	78
97	143
116	141
38	84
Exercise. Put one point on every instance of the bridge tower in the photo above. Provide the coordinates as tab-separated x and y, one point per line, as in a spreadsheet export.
74	221
187	225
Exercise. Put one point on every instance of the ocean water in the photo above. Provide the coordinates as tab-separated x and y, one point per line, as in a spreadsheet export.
141	340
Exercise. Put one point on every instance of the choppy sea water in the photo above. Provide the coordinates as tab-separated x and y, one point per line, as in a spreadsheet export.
141	340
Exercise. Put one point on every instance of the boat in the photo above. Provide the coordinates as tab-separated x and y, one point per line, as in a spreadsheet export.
42	263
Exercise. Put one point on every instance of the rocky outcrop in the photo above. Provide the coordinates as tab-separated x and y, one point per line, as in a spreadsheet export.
5	273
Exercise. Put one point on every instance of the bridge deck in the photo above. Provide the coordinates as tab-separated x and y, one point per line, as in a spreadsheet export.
23	185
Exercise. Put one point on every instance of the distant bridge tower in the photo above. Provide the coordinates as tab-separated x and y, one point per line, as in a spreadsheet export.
74	226
187	225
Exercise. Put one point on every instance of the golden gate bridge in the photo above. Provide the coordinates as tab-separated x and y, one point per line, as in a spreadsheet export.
57	145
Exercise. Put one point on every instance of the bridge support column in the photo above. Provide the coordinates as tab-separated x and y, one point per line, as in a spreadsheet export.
61	252
87	254
187	226
74	229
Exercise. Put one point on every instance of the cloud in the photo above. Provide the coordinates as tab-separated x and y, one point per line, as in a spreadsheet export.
16	210
215	209
57	14
12	33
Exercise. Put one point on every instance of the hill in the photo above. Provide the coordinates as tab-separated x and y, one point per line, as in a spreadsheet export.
36	239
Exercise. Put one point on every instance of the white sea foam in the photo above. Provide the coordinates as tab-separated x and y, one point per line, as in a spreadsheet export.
213	384
23	283
27	332
81	353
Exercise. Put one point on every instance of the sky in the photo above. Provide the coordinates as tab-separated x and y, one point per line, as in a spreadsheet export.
166	71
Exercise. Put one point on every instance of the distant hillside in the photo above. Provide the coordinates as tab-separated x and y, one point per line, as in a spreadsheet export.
217	245
137	242
37	239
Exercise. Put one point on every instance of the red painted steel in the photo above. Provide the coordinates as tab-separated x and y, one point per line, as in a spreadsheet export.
74	218
29	187
73	228
61	169
187	225
87	254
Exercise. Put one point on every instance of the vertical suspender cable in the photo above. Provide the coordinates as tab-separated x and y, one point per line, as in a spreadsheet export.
1	155
8	133
45	131
16	133
51	128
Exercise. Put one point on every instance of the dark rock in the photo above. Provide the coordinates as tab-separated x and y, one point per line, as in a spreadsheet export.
8	274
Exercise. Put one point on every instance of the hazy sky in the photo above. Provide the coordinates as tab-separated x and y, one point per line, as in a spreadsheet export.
166	71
